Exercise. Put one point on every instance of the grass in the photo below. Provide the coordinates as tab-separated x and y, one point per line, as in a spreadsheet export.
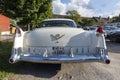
6	69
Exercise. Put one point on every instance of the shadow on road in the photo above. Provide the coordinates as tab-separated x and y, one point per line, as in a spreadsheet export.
38	69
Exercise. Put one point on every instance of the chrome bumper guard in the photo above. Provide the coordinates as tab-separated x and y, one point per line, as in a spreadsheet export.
101	57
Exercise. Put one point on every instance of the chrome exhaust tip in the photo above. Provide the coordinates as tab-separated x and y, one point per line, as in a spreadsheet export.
107	61
12	61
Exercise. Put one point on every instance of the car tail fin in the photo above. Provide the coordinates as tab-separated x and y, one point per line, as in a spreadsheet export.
18	32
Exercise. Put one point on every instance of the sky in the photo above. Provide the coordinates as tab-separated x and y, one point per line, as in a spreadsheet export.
88	8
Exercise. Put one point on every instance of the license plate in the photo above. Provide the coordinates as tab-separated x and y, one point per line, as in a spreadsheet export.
58	50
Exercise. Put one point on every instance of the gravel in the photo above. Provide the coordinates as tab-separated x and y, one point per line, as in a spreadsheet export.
73	71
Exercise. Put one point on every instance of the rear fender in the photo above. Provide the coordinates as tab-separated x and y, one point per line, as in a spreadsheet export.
17	45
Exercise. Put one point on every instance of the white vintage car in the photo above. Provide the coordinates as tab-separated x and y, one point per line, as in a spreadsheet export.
59	41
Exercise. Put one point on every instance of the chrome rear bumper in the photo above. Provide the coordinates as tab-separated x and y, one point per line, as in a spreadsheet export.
100	56
40	59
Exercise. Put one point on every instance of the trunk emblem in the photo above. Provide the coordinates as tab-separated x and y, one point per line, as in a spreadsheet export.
57	36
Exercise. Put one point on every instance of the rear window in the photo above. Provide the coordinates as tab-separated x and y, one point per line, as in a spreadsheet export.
57	23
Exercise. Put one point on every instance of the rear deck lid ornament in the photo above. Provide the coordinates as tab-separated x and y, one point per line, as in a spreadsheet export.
57	36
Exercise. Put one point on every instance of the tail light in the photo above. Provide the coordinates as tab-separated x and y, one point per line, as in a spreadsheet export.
11	61
107	61
100	30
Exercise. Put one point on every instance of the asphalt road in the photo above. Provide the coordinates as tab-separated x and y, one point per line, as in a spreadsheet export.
73	71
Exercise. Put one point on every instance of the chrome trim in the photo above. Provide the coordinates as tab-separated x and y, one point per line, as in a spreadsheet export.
101	56
71	52
45	54
58	59
61	59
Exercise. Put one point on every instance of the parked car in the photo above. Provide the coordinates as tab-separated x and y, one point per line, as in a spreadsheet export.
110	29
59	41
115	36
94	28
90	28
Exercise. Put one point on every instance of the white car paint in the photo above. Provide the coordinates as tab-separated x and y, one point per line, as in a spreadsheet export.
59	44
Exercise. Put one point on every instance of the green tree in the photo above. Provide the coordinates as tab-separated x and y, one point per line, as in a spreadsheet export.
11	8
73	14
115	19
12	22
87	22
27	12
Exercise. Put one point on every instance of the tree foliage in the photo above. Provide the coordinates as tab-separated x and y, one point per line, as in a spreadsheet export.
27	12
115	19
73	14
87	22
